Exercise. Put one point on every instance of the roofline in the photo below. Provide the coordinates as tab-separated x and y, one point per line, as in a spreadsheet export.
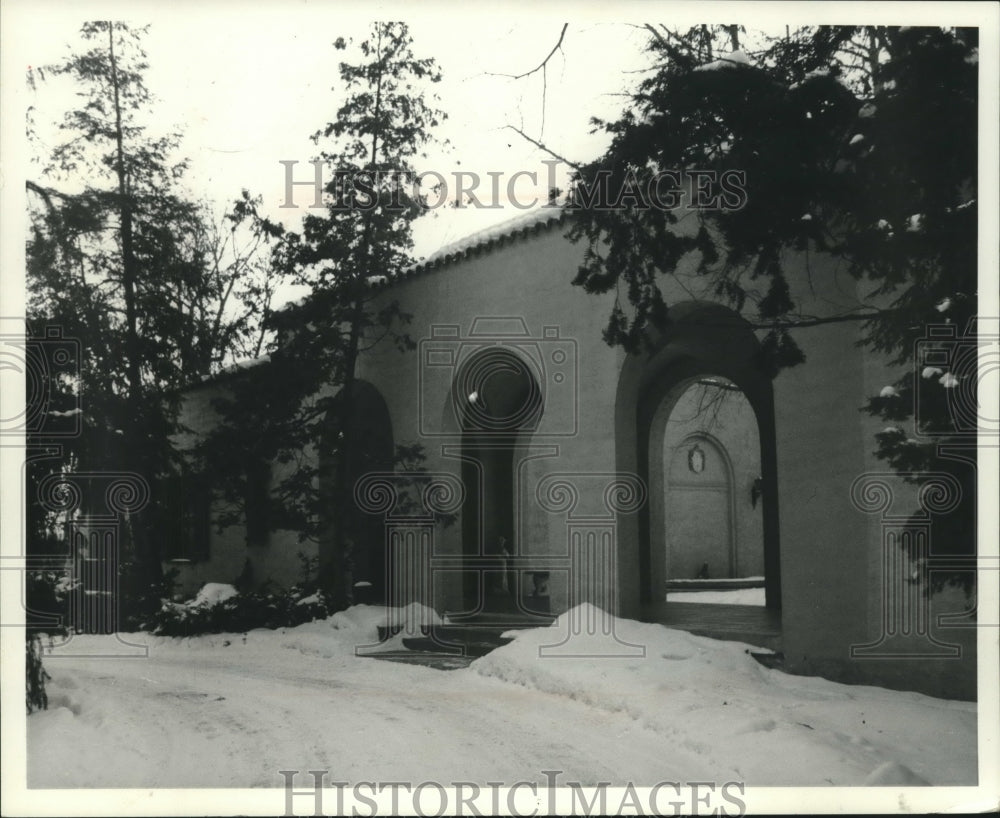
529	223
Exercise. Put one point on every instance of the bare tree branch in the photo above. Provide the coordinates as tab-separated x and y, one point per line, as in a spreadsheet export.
542	146
541	65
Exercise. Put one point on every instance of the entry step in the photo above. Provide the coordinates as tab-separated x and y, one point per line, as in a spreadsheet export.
438	661
468	639
720	584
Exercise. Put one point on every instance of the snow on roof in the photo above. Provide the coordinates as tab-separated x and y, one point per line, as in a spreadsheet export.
521	225
734	58
233	368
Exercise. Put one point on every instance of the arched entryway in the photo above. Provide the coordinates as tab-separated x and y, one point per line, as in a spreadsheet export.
372	449
695	419
498	403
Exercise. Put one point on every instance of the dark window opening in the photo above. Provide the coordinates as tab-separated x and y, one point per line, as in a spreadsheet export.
258	503
185	524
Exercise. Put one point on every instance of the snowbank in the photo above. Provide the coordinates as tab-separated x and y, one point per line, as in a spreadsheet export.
720	703
358	627
246	705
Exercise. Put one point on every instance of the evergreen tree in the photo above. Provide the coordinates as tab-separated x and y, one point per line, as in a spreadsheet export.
860	142
122	262
345	257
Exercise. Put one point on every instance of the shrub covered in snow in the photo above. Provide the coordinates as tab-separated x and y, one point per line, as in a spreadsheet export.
220	608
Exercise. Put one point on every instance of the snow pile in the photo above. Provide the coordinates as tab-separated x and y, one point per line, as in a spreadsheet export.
67	414
358	627
716	702
406	623
823	71
336	636
212	594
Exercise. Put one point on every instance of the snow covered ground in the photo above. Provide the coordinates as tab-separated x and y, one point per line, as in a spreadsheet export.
737	596
233	710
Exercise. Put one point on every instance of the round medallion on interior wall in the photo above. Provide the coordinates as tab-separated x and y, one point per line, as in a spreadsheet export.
696	459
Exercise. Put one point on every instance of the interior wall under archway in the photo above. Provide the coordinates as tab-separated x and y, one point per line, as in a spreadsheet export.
698	534
713	508
705	339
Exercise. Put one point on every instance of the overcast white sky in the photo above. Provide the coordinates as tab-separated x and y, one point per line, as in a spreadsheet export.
248	86
248	83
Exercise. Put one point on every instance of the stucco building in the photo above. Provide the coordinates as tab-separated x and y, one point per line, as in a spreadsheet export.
578	472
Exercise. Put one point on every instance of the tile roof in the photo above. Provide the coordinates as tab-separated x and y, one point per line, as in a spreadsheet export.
524	224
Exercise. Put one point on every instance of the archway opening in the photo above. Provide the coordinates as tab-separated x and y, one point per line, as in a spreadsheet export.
498	401
708	357
372	449
708	504
710	551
